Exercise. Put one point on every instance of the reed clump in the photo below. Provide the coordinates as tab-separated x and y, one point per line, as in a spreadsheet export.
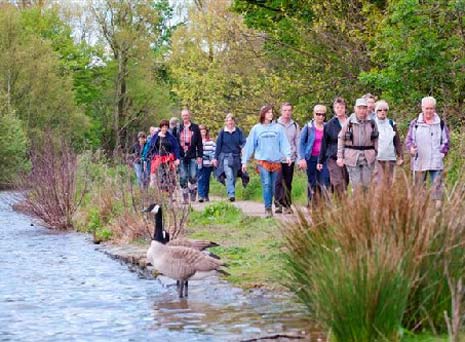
379	261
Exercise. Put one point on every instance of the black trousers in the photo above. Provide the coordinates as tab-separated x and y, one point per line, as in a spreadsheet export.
283	185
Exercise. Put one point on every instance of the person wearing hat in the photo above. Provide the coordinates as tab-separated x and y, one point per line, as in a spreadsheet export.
357	145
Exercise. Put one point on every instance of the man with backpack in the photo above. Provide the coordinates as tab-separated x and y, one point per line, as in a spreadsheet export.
357	146
427	142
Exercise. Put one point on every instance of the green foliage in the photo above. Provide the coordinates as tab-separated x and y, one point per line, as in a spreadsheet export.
219	213
32	81
13	144
418	50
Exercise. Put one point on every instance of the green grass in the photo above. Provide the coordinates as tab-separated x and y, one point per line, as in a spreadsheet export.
251	246
253	191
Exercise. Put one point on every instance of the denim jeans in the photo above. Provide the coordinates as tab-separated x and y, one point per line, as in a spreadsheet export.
230	179
204	181
318	181
188	173
436	182
268	180
139	174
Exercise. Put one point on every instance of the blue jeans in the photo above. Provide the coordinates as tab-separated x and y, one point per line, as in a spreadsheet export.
230	179
139	174
268	180
318	181
204	181
187	173
435	177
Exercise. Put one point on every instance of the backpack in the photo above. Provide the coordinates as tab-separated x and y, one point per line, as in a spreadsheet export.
374	132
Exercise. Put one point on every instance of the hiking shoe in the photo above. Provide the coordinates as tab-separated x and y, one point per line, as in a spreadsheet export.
193	194
201	199
268	213
232	199
207	199
278	210
288	211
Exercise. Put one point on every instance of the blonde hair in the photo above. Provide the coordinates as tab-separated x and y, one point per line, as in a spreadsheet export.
380	103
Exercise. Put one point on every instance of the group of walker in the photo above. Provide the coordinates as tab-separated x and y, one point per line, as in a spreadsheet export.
359	149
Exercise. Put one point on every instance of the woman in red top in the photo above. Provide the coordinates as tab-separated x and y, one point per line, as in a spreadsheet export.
164	153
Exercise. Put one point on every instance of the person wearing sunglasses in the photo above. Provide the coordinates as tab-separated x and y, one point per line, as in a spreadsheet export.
389	145
309	150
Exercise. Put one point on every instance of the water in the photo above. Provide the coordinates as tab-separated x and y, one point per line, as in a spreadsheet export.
58	287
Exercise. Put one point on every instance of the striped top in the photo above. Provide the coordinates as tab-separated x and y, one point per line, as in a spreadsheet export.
208	155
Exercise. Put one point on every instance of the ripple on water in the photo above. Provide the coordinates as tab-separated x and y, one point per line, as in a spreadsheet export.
54	286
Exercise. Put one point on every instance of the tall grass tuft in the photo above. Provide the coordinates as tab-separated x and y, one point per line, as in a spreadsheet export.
378	261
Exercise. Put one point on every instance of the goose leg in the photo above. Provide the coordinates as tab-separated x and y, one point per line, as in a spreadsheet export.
186	287
181	289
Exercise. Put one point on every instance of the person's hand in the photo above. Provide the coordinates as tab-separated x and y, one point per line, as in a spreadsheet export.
302	164
340	162
289	161
319	167
215	163
413	150
400	161
199	161
176	162
244	167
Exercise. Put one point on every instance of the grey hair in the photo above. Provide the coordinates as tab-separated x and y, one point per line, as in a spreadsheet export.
381	103
428	99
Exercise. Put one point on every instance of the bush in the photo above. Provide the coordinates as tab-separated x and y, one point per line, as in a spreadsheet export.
378	261
13	145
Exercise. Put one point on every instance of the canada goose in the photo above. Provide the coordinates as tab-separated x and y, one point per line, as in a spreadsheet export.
178	262
200	245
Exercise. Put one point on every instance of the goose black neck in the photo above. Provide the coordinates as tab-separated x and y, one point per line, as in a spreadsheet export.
158	231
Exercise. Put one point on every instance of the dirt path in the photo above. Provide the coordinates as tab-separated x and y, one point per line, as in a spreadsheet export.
249	208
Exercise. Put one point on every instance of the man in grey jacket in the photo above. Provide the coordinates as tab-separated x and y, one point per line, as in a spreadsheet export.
286	174
357	146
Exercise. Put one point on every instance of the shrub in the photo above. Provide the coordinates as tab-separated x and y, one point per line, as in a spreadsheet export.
377	261
52	195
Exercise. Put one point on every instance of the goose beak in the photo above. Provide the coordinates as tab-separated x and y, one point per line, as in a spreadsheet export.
152	208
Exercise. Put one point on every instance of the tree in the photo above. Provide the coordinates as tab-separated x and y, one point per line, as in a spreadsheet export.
131	30
317	48
419	50
217	66
32	79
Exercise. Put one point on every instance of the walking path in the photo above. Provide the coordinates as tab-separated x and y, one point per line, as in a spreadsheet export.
249	208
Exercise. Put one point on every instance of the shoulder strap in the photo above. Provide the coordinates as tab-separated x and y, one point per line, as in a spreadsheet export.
391	122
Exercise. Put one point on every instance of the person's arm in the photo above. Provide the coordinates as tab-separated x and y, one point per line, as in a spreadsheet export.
324	145
219	144
284	145
249	147
341	142
410	143
297	138
199	146
176	147
445	140
302	142
397	142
